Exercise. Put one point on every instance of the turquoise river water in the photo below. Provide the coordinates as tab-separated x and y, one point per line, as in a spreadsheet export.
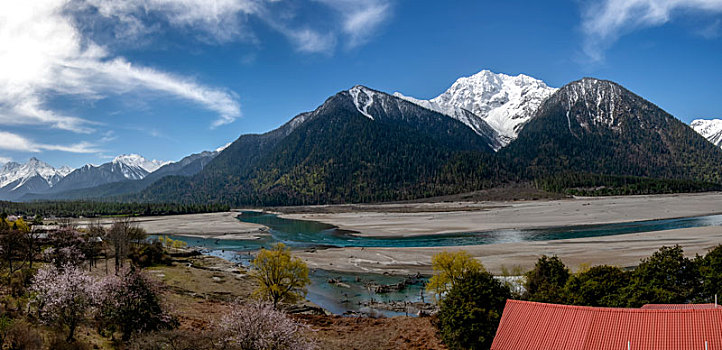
302	234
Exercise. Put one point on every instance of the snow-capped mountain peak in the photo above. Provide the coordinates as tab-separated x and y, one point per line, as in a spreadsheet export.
17	174
137	161
504	102
711	129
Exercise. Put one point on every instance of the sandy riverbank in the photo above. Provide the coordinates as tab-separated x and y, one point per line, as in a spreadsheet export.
215	225
620	250
434	218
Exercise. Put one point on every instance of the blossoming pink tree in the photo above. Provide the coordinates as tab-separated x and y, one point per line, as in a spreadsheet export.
64	296
259	326
131	303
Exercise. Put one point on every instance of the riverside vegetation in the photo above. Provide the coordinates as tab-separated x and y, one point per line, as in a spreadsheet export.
109	287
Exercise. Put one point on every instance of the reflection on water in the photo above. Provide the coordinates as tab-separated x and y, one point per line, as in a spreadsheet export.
352	292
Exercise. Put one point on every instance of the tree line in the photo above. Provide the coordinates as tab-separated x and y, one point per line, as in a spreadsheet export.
92	209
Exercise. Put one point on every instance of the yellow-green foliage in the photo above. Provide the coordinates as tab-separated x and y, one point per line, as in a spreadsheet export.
18	224
171	243
449	269
281	276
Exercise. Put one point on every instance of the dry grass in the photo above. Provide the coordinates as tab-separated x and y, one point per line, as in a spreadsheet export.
362	333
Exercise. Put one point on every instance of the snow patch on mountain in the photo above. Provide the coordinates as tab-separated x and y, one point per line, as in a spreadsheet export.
504	102
599	98
711	129
220	149
363	98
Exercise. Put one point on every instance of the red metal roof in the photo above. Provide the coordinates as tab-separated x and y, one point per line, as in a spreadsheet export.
537	326
679	306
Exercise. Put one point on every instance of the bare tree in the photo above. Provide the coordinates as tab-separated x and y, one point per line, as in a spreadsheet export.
121	234
32	245
96	244
12	249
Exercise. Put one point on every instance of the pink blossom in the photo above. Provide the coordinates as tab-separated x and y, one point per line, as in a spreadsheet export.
64	296
258	326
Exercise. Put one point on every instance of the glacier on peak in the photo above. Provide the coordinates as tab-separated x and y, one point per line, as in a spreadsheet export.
504	102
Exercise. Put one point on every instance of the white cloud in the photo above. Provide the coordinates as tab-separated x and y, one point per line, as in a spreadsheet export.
4	160
304	40
605	21
361	19
220	19
43	54
49	50
15	142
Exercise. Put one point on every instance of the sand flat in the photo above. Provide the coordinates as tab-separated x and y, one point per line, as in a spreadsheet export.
217	225
620	250
519	215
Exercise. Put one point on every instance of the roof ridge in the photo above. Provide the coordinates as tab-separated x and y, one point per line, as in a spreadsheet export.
617	309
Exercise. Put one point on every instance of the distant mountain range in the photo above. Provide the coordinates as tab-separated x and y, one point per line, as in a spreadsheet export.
34	176
36	180
365	145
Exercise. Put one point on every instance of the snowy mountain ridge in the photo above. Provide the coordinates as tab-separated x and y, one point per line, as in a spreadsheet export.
135	161
504	102
18	174
711	129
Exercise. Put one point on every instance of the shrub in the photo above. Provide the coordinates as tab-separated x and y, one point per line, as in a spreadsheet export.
58	343
259	326
470	312
176	340
146	255
23	336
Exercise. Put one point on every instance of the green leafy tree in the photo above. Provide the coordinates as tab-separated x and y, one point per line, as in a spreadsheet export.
667	277
470	312
597	286
281	276
450	268
710	269
38	220
545	283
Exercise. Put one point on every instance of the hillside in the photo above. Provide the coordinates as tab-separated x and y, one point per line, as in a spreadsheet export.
360	145
599	127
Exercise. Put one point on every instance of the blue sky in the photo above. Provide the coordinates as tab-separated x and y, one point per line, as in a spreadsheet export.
84	80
